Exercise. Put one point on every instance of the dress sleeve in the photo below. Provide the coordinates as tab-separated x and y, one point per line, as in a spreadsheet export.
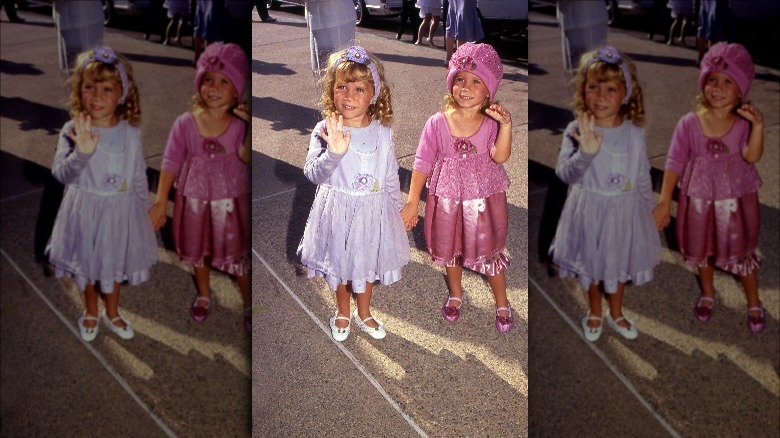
644	184
572	163
320	161
427	150
140	183
68	162
176	149
680	148
393	182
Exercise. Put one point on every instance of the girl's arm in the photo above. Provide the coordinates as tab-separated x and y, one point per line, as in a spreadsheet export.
322	160
644	183
409	213
245	151
140	184
159	211
755	144
572	160
503	147
393	181
662	214
76	146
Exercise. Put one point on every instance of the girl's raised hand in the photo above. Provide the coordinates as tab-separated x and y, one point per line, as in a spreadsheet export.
750	113
499	114
586	134
81	134
242	112
337	141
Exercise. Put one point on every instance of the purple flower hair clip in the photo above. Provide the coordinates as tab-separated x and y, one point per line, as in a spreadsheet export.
464	63
359	55
610	55
106	55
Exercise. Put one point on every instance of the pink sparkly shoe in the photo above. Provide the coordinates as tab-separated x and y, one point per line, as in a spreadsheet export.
702	313
756	323
504	323
199	313
451	314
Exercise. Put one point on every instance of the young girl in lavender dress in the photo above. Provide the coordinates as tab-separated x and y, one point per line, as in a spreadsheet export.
460	158
606	236
102	233
714	149
206	157
354	235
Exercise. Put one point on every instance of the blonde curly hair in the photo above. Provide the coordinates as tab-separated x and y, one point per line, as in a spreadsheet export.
601	71
350	71
98	71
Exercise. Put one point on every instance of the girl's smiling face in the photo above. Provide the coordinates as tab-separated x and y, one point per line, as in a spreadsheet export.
352	100
468	90
217	91
603	99
100	99
721	91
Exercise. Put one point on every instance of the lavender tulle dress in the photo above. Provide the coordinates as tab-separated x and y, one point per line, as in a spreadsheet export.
717	209
102	232
606	231
466	216
211	210
355	232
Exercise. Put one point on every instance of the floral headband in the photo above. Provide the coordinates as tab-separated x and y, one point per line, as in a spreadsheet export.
610	55
106	55
359	55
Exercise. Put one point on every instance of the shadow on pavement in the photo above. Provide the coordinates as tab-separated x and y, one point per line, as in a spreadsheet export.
33	115
284	115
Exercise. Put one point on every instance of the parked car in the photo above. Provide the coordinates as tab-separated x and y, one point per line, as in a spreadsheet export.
615	8
364	9
111	8
503	17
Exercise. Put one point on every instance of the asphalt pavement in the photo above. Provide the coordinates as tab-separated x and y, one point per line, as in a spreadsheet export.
427	377
680	377
176	377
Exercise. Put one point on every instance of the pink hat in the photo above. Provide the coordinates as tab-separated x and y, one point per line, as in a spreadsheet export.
731	59
227	59
479	59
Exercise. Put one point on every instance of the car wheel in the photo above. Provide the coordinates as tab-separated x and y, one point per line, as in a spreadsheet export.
612	11
361	12
109	14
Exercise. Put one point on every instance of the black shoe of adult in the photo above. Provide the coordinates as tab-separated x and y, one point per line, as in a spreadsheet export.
269	20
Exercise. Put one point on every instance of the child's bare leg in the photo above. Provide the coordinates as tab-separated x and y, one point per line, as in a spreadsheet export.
750	285
707	284
498	286
594	303
423	27
343	296
245	287
616	305
364	305
91	298
434	26
454	283
111	302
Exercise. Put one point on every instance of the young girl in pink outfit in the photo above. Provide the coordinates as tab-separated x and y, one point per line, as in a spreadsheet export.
714	149
459	159
102	233
206	158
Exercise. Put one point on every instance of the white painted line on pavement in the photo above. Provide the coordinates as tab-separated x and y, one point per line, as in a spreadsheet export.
69	325
21	195
612	367
341	347
275	194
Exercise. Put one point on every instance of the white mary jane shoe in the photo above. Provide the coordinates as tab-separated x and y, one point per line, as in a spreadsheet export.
376	333
87	333
340	334
628	333
592	333
126	332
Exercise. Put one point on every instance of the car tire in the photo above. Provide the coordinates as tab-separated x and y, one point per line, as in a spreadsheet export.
109	14
361	12
612	12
